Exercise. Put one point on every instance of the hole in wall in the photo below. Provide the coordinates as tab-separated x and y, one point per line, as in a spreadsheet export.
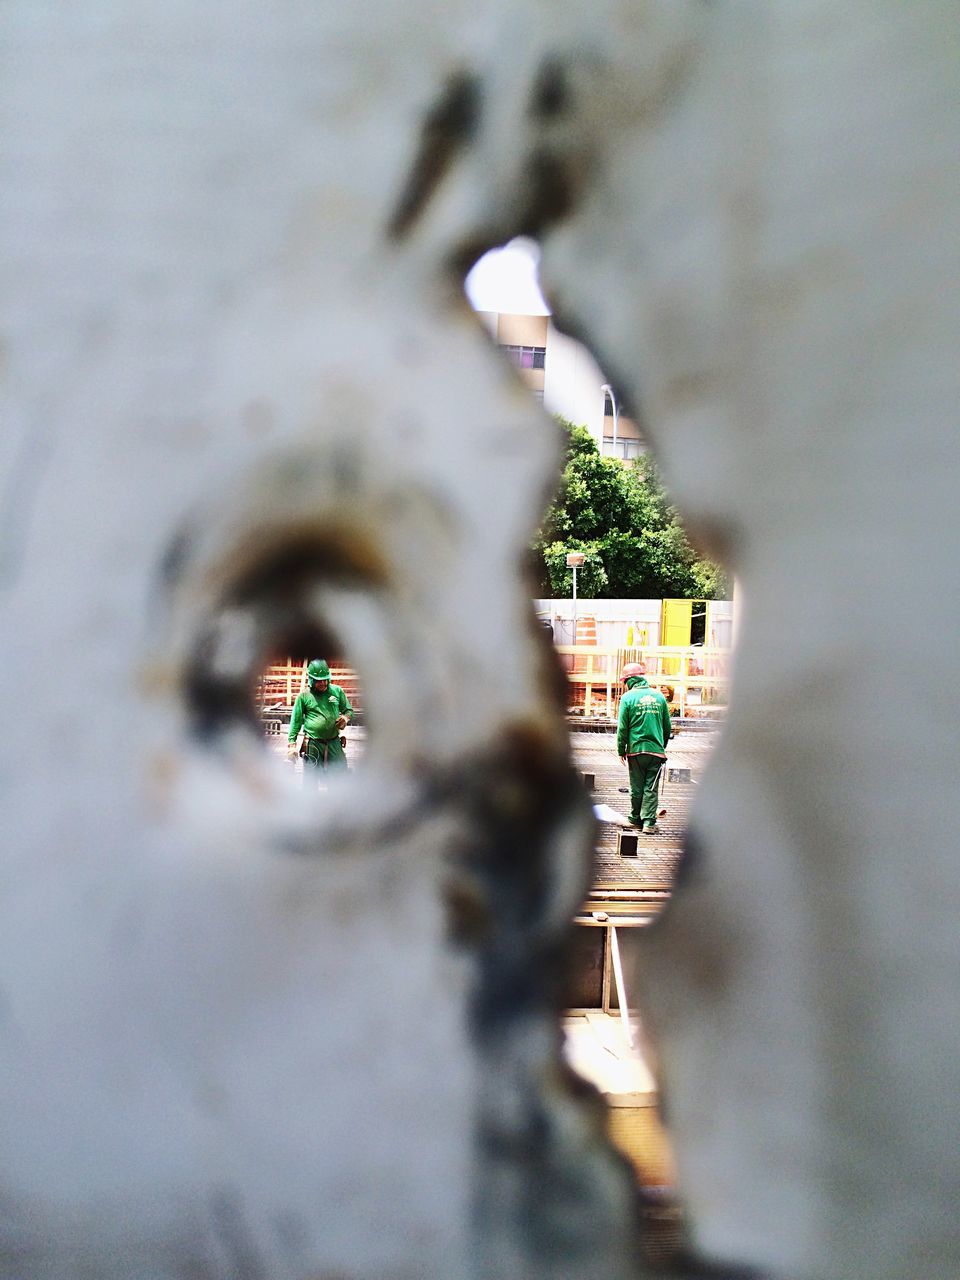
309	706
665	620
270	665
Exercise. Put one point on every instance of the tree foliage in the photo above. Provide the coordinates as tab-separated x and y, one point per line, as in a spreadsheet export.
621	518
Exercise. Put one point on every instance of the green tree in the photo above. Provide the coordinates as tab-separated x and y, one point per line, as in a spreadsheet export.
622	519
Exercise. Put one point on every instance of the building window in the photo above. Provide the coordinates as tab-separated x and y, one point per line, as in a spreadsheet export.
627	447
526	357
538	395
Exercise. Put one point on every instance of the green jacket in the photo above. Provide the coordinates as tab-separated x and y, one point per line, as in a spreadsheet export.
644	723
317	713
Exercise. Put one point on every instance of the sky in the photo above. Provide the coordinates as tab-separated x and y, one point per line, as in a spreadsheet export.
506	280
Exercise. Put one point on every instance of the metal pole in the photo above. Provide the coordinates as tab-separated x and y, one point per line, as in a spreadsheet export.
621	986
574	604
608	391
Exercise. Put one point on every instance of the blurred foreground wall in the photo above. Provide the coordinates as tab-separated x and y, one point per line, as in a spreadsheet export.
247	1031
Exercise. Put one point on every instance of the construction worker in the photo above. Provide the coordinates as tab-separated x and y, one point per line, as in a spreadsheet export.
322	711
644	728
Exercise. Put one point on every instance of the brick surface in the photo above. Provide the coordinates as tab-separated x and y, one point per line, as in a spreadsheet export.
658	855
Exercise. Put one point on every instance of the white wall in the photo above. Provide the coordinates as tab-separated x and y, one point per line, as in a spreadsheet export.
489	320
614	617
572	382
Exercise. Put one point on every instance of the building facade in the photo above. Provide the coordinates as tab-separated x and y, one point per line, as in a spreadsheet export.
563	375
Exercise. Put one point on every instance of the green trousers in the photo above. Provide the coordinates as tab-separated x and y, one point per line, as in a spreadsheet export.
328	754
644	780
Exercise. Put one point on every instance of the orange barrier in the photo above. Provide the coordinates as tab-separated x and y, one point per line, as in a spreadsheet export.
586	637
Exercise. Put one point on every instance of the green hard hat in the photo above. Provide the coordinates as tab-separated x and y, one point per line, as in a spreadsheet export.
318	670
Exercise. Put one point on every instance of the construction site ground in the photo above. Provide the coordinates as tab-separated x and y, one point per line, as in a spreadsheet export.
657	855
595	752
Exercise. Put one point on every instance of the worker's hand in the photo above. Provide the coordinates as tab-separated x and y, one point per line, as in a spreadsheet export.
341	722
623	759
291	750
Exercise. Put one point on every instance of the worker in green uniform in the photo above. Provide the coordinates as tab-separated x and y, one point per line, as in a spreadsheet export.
644	728
322	710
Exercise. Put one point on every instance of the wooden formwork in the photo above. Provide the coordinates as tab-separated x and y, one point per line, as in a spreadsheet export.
690	675
280	682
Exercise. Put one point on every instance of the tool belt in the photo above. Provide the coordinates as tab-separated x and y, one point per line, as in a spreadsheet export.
323	744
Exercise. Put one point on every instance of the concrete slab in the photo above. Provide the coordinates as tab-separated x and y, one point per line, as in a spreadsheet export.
595	1046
